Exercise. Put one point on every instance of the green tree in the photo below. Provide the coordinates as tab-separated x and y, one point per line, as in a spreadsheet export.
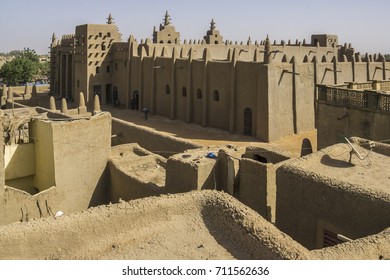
22	69
44	69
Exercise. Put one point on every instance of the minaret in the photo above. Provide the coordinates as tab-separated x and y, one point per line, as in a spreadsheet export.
53	38
212	36
167	33
212	25
167	19
110	19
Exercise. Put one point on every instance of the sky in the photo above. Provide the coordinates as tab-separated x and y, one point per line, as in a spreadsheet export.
364	24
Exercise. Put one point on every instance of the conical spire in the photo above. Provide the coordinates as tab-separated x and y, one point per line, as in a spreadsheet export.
52	104
64	106
81	100
53	38
267	43
167	19
267	49
212	25
96	105
110	19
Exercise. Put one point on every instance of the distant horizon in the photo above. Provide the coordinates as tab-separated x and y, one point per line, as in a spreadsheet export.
359	22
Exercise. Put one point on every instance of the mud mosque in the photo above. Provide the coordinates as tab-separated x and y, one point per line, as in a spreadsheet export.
70	167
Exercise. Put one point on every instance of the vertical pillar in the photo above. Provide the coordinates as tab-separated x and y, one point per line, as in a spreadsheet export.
173	84
315	62
294	94
60	78
232	96
335	70
129	88
140	76
190	94
205	97
368	68
66	93
153	83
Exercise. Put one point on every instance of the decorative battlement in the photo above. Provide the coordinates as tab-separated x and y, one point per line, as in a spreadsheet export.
368	95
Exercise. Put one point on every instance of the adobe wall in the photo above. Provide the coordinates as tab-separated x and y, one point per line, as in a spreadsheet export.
228	230
228	177
191	171
71	158
337	121
373	247
253	190
381	148
257	187
307	202
149	139
135	173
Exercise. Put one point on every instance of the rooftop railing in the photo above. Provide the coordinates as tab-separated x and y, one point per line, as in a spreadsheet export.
369	99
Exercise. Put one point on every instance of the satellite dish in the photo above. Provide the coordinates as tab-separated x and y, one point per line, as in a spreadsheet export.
353	150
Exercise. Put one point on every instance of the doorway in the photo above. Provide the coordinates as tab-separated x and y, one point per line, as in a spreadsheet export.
135	100
108	94
248	121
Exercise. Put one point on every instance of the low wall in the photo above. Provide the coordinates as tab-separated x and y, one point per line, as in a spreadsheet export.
307	202
336	122
124	230
149	139
70	169
373	247
126	187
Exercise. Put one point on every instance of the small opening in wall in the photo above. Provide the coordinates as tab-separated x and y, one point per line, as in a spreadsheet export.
259	158
167	90
184	92
199	93
216	95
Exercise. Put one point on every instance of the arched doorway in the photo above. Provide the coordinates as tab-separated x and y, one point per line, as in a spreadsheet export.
248	121
306	147
135	100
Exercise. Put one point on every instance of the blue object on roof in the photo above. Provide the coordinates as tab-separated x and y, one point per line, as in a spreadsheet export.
211	155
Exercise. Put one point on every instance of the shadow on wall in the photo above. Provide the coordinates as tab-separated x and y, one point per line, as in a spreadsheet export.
101	194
